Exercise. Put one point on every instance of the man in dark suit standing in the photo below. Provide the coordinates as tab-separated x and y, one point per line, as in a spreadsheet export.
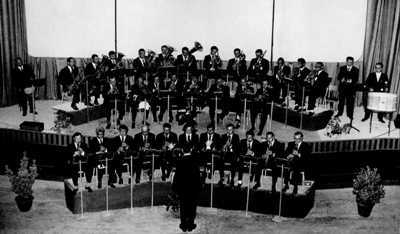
123	147
272	149
212	64
99	146
66	78
297	154
189	140
78	153
252	148
210	146
376	82
166	142
259	67
186	62
348	78
140	64
280	81
318	85
93	82
143	141
237	67
230	148
23	77
299	80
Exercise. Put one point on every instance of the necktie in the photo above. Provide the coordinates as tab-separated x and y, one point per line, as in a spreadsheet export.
123	139
209	137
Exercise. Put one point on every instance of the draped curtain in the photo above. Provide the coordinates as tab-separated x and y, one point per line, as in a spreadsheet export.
382	40
13	44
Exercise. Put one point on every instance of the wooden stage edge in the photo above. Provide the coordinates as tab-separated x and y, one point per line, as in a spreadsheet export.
27	137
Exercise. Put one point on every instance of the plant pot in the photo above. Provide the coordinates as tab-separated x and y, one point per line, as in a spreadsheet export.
24	203
364	210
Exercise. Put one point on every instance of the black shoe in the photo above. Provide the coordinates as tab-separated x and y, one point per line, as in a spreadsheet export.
118	122
239	185
364	119
191	227
285	188
256	186
183	227
108	125
99	185
163	178
129	181
137	181
111	185
24	114
296	108
338	115
120	181
89	189
295	190
221	183
133	125
96	102
259	133
73	106
381	120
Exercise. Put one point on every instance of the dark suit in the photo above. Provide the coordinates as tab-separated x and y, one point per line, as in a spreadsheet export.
167	156
120	157
297	163
299	82
280	86
23	79
189	146
93	82
109	102
256	147
231	154
373	85
94	149
237	69
277	150
347	89
73	163
140	144
258	69
175	98
207	153
140	68
65	78
321	82
208	64
186	65
222	100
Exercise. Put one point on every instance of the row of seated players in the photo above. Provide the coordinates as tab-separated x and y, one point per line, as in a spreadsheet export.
230	153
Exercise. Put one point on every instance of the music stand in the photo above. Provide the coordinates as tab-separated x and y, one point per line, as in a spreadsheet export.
167	93
36	84
152	153
283	162
248	159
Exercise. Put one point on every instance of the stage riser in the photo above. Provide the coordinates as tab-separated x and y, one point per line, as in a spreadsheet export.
224	198
30	137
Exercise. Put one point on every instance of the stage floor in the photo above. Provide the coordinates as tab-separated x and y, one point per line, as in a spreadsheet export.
11	117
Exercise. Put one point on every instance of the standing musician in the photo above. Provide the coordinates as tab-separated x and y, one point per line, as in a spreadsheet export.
222	92
98	146
91	71
143	141
112	94
175	87
210	144
257	105
297	152
139	92
188	141
212	64
237	67
193	90
186	62
230	148
66	78
377	81
77	151
123	147
348	78
265	105
166	142
259	67
272	149
299	79
252	148
280	83
319	82
140	64
166	58
23	76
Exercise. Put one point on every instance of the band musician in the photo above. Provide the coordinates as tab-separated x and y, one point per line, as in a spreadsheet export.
66	78
123	148
230	149
143	142
186	64
23	77
166	141
140	64
281	81
259	67
114	97
318	85
210	146
91	71
250	147
299	80
188	141
212	64
237	67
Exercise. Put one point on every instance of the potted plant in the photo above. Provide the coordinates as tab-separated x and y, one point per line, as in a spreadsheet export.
368	188
22	181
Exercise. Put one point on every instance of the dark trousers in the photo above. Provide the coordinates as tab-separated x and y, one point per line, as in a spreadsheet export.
138	163
348	98
110	105
76	96
164	107
154	103
368	114
75	173
167	162
298	94
312	98
265	111
24	101
206	158
255	170
188	206
222	104
232	159
255	108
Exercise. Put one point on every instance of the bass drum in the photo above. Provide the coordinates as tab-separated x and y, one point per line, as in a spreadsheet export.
29	90
382	102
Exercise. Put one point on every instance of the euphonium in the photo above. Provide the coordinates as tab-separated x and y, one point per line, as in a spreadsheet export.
197	47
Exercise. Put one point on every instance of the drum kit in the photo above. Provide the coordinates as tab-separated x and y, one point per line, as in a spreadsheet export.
382	102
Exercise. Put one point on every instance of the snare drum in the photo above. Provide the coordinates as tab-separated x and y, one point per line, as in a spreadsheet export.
382	102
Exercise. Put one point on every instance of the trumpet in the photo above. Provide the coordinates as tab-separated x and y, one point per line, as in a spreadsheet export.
228	146
150	56
215	60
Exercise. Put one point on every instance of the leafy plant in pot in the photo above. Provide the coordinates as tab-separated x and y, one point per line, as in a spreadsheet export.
22	182
368	188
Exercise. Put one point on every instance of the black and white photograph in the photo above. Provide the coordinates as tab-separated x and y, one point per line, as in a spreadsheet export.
200	116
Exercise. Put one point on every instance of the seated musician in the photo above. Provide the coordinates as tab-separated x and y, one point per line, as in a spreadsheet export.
186	64
144	142
78	152
166	142
377	81
166	58
297	152
237	67
220	91
230	148
66	78
263	100
140	64
259	67
272	149
123	147
114	96
280	83
257	106
193	95
251	148
318	87
189	141
139	92
91	71
299	80
154	101
99	146
23	78
210	144
212	64
175	87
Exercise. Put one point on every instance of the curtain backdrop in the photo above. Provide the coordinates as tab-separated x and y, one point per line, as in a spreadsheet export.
13	43
382	40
